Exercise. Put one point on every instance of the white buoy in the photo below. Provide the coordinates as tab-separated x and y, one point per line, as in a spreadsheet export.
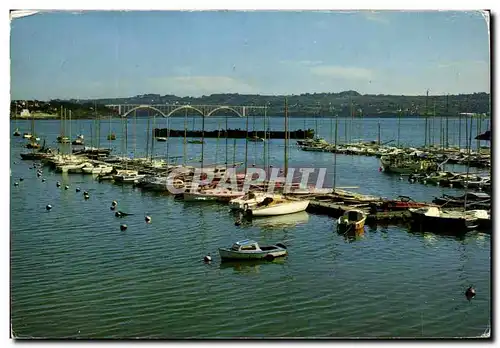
58	184
123	227
207	258
148	219
16	184
48	207
400	178
77	189
66	187
114	203
43	179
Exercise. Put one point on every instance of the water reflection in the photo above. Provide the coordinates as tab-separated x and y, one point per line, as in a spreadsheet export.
283	221
352	235
251	266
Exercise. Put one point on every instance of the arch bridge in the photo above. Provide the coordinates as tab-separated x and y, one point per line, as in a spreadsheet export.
169	110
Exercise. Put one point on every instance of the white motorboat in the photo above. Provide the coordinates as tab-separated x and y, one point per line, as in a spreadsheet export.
128	177
251	199
97	169
272	207
250	250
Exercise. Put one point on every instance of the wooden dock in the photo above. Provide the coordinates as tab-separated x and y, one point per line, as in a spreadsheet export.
336	210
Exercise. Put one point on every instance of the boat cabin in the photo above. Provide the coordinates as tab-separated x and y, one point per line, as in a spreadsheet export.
245	245
354	215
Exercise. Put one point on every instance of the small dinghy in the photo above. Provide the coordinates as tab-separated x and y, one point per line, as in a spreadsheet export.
250	250
353	219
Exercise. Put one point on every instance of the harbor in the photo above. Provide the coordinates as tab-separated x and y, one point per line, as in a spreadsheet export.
146	192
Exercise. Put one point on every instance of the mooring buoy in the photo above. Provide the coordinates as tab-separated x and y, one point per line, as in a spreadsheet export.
66	187
207	258
16	184
77	189
123	227
48	207
43	179
147	219
114	203
470	293
58	184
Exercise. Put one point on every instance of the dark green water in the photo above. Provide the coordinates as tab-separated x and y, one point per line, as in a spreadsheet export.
75	274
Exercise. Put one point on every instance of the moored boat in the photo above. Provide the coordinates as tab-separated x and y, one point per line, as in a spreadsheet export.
353	219
251	199
434	219
161	139
217	195
250	250
272	207
97	169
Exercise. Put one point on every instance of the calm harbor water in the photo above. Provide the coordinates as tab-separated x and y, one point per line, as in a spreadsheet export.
75	274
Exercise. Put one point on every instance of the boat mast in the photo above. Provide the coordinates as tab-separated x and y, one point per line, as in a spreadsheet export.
286	138
168	142
246	143
426	119
469	141
202	139
226	134
153	137
447	144
70	144
265	141
399	123
147	139
185	133
335	153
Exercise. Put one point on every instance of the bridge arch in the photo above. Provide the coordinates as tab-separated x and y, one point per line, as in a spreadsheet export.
224	108
183	107
144	107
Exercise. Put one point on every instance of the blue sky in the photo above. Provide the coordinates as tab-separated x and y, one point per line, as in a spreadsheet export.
119	54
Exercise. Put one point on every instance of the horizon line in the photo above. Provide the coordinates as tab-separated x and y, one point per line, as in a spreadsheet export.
260	95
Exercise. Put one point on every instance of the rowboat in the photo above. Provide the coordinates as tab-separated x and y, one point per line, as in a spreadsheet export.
250	250
276	206
161	139
353	219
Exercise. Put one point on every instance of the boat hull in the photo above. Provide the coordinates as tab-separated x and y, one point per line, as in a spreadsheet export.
208	197
279	209
227	254
422	222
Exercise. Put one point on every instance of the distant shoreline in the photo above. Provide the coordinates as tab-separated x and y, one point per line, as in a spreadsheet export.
57	117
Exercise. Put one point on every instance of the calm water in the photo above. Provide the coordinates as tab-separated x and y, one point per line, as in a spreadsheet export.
75	274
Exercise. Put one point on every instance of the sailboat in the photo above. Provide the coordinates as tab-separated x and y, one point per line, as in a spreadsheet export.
33	138
16	133
438	219
111	135
277	205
